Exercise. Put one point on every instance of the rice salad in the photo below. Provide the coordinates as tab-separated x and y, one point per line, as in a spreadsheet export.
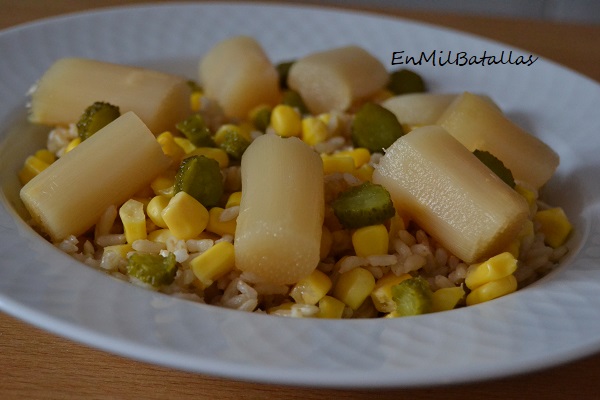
363	180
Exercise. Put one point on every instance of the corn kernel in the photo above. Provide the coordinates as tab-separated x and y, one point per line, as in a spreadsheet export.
314	130
234	199
354	286
364	172
219	155
326	242
45	155
185	143
215	225
382	293
170	147
529	195
311	289
32	167
360	155
446	298
492	290
333	164
213	263
134	220
185	216
497	267
120	249
330	307
286	121
370	240
160	235
196	101
72	144
163	184
554	225
154	210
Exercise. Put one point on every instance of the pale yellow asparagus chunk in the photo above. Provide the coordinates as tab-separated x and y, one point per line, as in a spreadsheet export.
278	234
334	79
451	194
418	109
238	74
478	125
70	85
69	196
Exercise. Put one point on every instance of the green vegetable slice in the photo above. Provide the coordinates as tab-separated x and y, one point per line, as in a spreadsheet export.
412	297
496	166
363	205
201	178
283	70
405	81
96	117
194	128
293	99
152	269
375	128
234	144
261	118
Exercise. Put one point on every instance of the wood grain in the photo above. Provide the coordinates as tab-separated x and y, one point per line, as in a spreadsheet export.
38	365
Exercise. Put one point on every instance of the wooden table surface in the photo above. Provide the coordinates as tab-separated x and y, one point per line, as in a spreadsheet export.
37	365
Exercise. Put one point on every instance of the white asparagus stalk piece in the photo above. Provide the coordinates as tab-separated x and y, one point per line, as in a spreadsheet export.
238	74
478	125
334	79
70	85
451	194
69	196
278	234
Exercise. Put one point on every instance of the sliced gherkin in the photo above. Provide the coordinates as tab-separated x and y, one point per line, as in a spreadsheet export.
201	178
293	99
283	68
195	129
412	297
234	144
496	166
96	117
405	81
363	205
153	269
375	128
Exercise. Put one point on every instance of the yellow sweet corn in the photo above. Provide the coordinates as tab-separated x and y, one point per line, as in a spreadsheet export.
555	226
185	216
354	286
163	183
154	209
134	220
330	307
334	163
360	155
311	289
286	121
326	242
364	172
213	263
217	154
529	195
234	199
382	293
185	143
120	249
370	240
170	147
33	165
72	144
160	235
314	130
196	100
495	268
217	226
446	298
492	290
45	155
282	307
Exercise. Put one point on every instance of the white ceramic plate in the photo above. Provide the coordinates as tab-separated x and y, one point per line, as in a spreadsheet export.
550	322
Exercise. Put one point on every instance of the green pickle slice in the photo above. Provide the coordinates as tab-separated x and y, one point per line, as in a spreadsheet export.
201	178
375	128
152	269
412	297
96	117
363	205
